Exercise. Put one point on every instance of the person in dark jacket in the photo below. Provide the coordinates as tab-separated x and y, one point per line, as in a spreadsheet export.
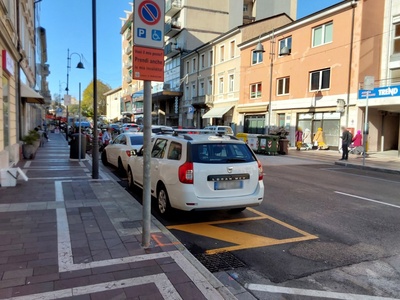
346	141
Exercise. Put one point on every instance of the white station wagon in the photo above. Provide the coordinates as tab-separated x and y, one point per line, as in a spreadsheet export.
199	172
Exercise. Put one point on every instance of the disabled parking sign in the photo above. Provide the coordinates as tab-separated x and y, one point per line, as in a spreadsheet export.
149	23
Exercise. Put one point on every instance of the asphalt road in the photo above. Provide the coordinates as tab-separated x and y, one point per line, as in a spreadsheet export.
320	228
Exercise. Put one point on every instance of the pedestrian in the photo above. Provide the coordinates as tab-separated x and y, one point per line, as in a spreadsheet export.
307	138
299	138
346	141
319	139
357	139
106	138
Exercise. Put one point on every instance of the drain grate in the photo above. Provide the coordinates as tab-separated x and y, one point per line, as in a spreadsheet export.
130	224
219	262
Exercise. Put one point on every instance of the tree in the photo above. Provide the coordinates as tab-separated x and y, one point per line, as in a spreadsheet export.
87	101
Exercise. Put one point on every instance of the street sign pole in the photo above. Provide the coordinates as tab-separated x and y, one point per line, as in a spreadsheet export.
80	120
146	164
369	84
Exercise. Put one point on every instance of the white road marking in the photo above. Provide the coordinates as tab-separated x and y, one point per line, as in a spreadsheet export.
162	282
311	293
27	164
367	199
57	178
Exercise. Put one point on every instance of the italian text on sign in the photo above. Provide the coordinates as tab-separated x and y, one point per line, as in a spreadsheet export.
148	64
149	23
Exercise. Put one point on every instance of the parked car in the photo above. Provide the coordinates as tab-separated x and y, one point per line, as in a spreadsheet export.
197	172
120	149
159	129
130	127
116	128
219	129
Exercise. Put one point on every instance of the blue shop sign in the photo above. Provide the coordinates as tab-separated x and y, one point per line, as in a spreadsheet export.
380	92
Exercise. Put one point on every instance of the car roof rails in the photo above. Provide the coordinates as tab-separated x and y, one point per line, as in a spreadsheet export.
187	137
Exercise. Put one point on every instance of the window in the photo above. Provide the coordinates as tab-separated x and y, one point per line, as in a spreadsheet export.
283	86
210	57
194	67
320	80
255	90
245	7
396	41
210	87
221	153
202	61
322	34
395	76
187	96
232	49
221	85
201	91
159	148
231	82
187	67
6	110
281	120
286	42
222	53
257	57
136	139
175	151
194	90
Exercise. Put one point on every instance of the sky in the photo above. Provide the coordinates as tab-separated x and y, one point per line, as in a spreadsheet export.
68	24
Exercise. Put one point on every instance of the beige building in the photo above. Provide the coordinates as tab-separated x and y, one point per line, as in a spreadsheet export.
114	101
211	85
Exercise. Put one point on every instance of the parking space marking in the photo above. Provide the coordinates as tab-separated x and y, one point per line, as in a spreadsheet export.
367	199
311	293
242	240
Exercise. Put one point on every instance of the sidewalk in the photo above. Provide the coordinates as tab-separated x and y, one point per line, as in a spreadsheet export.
388	162
64	235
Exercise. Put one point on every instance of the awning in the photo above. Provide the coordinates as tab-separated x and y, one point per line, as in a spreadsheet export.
216	112
30	95
241	109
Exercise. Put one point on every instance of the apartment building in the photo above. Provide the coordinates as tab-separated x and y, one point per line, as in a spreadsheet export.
113	102
20	104
316	85
211	84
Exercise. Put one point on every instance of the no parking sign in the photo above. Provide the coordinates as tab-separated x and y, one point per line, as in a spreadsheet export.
149	23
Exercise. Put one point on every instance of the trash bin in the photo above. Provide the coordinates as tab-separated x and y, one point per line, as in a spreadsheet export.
252	141
74	146
268	144
242	136
284	146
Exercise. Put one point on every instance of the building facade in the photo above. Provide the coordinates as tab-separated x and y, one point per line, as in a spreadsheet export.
114	102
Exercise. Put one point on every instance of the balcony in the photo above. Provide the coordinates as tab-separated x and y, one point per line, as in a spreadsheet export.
171	50
128	50
172	7
128	34
128	64
202	100
128	79
172	27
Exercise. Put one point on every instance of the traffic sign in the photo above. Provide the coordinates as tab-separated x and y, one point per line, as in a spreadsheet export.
148	64
149	23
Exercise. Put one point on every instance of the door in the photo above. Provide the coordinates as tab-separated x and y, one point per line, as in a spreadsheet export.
112	150
157	154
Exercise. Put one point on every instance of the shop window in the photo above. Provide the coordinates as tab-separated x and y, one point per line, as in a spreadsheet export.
322	35
283	86
255	90
6	112
320	80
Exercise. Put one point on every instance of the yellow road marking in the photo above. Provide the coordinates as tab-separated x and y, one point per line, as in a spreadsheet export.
242	240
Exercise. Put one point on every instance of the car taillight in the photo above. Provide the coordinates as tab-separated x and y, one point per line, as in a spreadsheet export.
260	171
186	173
129	153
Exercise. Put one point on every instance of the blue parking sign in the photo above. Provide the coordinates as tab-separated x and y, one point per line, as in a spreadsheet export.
141	32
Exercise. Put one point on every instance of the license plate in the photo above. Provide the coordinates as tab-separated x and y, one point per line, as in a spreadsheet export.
228	185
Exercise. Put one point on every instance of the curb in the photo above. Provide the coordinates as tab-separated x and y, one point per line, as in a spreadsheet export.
377	169
215	283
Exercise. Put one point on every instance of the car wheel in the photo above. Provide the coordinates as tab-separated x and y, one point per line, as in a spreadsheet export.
237	210
163	204
131	182
121	170
104	158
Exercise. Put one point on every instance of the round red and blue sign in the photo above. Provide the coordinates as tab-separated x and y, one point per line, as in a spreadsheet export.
149	12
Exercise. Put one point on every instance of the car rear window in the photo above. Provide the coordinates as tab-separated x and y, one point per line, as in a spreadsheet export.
137	140
221	153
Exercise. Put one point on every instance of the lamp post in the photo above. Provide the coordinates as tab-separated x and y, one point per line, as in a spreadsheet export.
78	66
283	52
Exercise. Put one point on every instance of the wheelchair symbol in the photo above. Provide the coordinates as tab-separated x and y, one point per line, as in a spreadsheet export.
156	35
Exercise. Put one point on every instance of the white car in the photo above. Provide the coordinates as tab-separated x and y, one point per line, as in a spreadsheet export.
198	172
120	149
219	129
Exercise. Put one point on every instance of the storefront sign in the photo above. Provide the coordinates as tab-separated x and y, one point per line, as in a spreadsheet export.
380	92
7	63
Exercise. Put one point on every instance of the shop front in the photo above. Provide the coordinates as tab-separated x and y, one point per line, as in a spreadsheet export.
252	118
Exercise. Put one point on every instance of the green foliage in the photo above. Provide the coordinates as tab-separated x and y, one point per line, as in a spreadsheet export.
31	137
73	109
87	101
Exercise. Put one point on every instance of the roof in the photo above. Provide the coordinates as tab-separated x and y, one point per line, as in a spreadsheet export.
110	92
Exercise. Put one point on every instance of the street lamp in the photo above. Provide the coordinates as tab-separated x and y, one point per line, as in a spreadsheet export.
78	66
283	52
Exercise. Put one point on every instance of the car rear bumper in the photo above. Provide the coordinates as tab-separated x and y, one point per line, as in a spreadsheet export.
187	200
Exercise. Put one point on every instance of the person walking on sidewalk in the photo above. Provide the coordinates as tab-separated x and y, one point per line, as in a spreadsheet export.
299	138
346	141
319	139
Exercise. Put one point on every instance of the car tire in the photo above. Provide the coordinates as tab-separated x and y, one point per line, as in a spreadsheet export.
104	159
131	181
163	205
121	170
237	210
